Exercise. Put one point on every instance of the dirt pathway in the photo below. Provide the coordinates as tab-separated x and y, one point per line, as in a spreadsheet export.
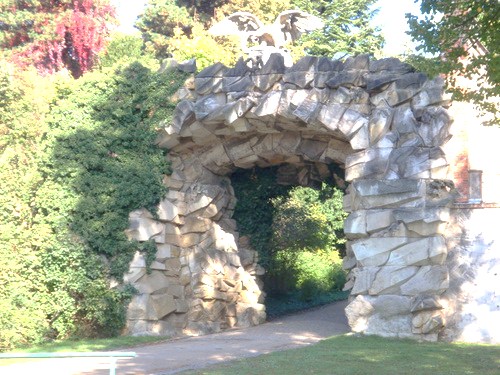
189	353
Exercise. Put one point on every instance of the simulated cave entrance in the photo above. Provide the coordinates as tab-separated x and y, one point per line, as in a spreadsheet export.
292	216
379	120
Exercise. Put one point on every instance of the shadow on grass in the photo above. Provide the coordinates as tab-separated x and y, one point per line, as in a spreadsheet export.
350	354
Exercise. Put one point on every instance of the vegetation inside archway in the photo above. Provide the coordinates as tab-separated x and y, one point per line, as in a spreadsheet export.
298	233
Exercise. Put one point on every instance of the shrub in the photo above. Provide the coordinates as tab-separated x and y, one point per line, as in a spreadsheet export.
76	157
296	230
319	272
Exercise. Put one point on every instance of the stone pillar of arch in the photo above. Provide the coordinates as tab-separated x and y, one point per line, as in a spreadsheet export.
380	120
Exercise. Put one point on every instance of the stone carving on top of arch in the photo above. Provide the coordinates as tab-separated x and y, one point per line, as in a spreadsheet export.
380	120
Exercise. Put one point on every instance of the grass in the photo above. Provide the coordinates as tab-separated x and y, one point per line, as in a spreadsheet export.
360	355
85	345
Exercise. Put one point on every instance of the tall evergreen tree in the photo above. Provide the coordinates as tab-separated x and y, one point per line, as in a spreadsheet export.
54	34
347	29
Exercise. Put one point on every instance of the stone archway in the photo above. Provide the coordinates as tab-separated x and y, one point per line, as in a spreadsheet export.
379	119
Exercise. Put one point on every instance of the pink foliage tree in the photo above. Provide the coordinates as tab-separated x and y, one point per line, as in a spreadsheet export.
55	34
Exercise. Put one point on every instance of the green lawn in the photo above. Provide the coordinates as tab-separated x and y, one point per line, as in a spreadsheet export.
349	355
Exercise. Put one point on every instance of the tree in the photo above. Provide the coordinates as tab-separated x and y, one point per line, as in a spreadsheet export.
461	40
168	29
158	23
123	49
347	29
265	10
76	157
203	9
52	35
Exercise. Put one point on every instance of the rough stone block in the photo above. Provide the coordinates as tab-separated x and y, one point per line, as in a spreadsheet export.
427	322
434	128
375	251
411	81
185	240
237	84
144	229
390	64
152	282
363	279
367	194
425	251
361	139
424	222
183	116
308	110
161	305
155	265
311	149
330	115
208	104
167	211
194	224
378	220
359	62
268	105
250	315
428	280
181	306
345	78
138	307
425	302
165	251
208	85
377	81
351	122
355	225
389	279
384	316
379	123
133	275
301	74
270	73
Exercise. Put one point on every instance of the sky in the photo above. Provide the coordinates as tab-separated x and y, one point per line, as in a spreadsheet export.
391	18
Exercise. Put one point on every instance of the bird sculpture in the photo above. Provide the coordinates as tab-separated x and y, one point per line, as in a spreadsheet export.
258	40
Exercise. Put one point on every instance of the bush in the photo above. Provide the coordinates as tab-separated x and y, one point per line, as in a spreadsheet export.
75	158
296	230
318	273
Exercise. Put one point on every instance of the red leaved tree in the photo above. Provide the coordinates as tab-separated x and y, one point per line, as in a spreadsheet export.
55	34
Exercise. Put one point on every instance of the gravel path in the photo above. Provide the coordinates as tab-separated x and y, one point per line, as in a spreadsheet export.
190	353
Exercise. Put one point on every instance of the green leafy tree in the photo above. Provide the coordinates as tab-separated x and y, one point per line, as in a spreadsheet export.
306	228
297	231
75	158
123	49
23	110
52	35
461	39
202	47
159	22
347	29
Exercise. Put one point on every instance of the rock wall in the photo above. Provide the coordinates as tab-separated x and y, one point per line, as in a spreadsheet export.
380	120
